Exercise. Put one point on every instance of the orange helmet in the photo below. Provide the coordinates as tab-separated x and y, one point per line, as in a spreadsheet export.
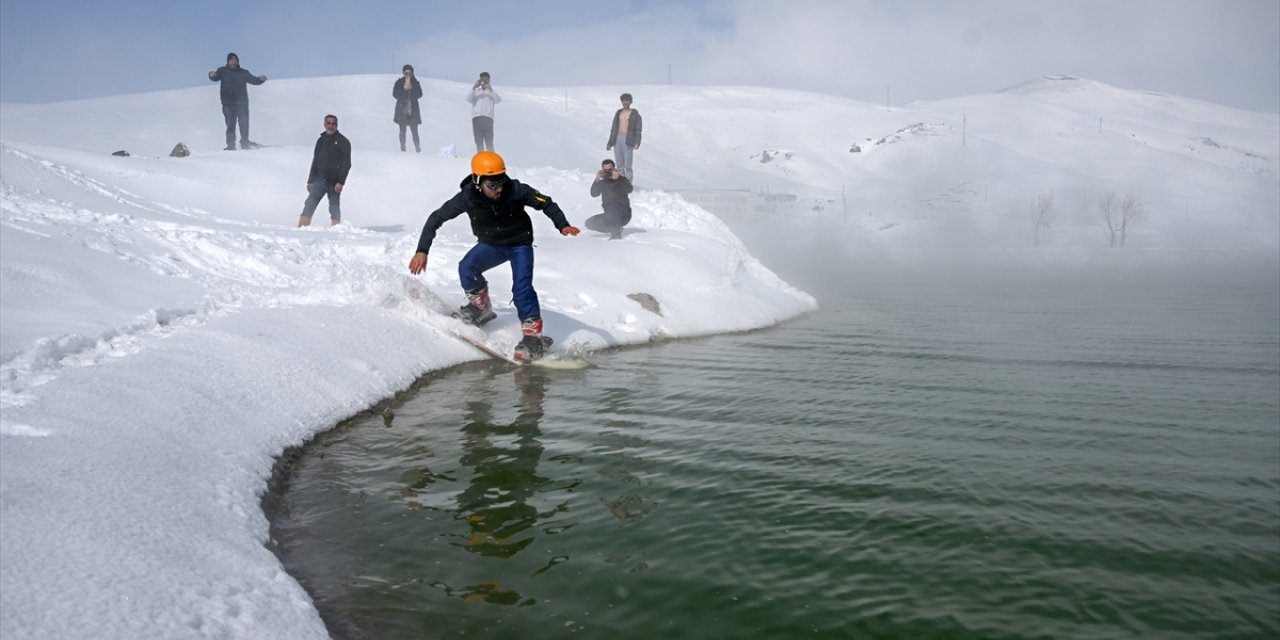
487	163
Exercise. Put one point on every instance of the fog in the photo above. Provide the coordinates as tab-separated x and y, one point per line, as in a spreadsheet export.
867	50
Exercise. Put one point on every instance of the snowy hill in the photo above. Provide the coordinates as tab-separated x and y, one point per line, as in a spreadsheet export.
165	331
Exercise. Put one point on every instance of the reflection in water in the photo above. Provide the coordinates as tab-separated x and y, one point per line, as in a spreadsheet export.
495	505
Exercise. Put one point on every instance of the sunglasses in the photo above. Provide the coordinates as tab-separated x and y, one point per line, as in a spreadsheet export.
493	185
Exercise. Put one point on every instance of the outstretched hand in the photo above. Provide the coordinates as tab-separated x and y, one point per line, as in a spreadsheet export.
418	264
570	231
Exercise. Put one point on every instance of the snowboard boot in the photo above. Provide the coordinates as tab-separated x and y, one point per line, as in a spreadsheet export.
533	344
477	310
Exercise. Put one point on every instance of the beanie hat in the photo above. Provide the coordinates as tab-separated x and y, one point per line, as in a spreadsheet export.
232	56
407	67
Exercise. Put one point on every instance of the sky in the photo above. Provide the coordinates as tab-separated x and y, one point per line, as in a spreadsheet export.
1223	51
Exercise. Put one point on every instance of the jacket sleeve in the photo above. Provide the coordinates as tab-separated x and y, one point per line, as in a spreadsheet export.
315	164
596	186
639	125
452	208
613	130
532	198
626	184
496	98
217	75
250	78
417	90
397	90
344	162
471	95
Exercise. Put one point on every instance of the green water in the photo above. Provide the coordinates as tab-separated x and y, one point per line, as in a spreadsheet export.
924	459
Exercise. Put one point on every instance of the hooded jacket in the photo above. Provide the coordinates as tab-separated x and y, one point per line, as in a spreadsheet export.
503	222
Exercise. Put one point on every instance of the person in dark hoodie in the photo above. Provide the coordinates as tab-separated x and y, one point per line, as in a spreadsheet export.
612	188
329	167
235	99
407	91
496	206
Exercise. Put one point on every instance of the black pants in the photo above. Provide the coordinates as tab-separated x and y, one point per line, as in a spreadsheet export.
233	113
482	128
611	221
417	146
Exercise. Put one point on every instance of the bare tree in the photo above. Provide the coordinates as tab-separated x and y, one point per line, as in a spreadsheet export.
1132	211
1111	214
1040	214
1121	215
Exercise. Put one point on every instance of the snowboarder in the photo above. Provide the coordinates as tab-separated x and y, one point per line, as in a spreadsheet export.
330	164
496	206
407	90
612	188
235	99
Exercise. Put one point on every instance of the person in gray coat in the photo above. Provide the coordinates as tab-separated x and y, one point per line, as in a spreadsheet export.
626	125
407	91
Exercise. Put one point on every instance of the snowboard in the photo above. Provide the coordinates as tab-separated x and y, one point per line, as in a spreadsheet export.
489	342
550	360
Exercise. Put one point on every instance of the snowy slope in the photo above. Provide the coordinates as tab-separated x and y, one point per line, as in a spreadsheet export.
164	331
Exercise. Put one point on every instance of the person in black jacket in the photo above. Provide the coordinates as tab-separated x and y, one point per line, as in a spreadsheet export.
329	167
407	90
235	99
496	206
612	188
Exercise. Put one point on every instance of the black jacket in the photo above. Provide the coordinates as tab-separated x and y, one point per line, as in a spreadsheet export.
634	124
612	193
235	83
332	159
503	222
407	99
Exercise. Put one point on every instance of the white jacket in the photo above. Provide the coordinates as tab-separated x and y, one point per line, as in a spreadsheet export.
482	101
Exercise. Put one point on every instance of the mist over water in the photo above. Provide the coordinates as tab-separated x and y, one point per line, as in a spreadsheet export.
959	444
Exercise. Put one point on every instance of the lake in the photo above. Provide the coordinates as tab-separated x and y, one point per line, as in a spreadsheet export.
936	453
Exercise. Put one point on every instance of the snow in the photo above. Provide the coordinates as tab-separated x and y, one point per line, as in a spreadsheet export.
165	331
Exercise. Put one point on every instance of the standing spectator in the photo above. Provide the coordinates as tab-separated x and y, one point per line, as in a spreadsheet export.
407	90
235	99
626	125
482	98
612	188
329	167
504	233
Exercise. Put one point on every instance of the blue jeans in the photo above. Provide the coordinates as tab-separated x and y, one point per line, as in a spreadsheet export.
484	257
317	190
232	113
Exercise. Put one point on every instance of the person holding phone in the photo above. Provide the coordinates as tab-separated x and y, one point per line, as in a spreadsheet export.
407	91
482	98
612	188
